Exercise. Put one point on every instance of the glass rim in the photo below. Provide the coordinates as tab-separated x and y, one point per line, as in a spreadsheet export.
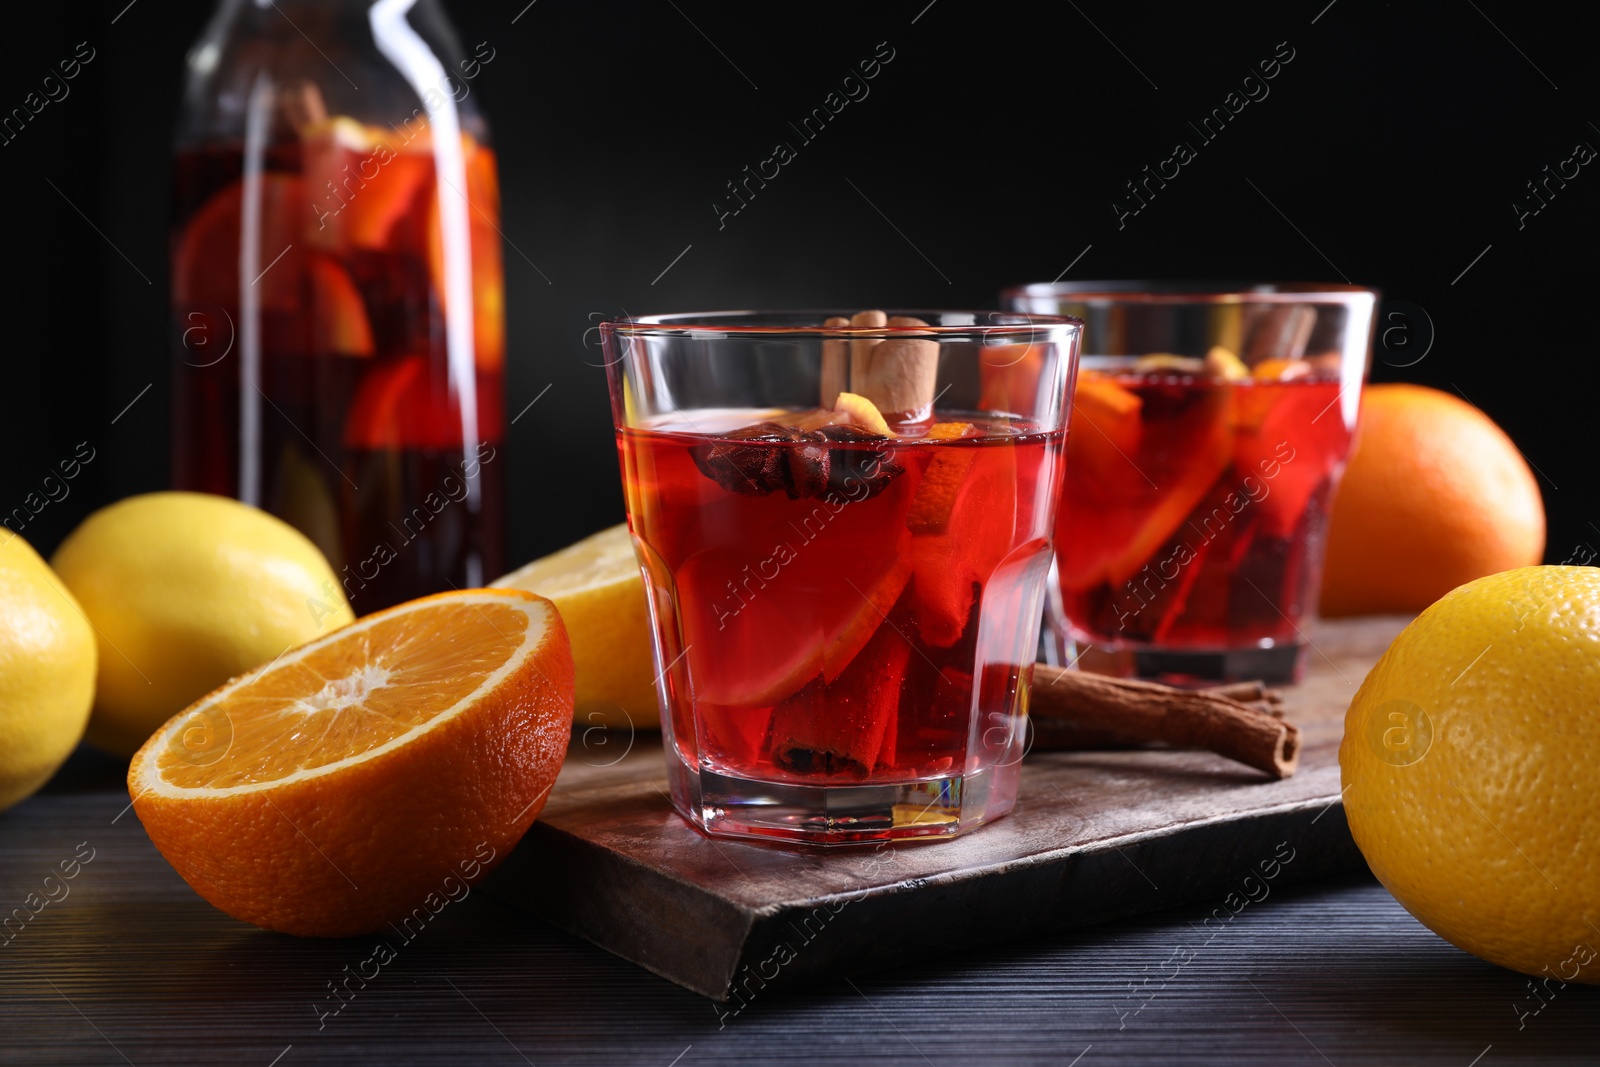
1186	291
701	323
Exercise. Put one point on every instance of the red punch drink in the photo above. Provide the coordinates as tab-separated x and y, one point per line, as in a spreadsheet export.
1193	506
829	593
845	598
1210	427
342	348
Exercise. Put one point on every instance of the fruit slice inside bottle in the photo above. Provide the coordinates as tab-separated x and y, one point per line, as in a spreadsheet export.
206	263
291	277
481	199
364	184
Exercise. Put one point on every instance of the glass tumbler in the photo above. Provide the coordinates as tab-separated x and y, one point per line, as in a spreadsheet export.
844	526
1210	426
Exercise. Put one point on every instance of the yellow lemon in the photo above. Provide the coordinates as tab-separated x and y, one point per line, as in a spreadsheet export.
46	670
185	591
596	586
1471	764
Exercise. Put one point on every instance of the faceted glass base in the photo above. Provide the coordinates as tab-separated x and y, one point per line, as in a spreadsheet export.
927	809
1280	664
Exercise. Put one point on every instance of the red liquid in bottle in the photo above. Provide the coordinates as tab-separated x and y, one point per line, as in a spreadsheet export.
314	373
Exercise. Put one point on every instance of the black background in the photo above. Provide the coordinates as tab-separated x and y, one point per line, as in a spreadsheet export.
988	152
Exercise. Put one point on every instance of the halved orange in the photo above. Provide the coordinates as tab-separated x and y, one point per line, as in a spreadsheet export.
368	775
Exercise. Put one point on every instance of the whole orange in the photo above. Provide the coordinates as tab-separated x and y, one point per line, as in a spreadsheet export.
1435	496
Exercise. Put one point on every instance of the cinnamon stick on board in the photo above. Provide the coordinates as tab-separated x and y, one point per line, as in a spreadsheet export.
1077	709
1245	692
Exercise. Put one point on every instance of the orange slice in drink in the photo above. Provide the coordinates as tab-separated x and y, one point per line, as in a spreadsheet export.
751	644
941	483
1281	370
1221	363
289	279
863	413
795	597
1132	481
963	524
1111	410
1294	445
371	774
394	406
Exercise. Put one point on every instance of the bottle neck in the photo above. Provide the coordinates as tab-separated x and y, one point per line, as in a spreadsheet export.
376	61
339	6
329	13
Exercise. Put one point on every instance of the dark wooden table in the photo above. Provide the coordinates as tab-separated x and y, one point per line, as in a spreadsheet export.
132	967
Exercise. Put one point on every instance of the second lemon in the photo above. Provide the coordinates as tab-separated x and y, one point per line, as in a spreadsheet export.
185	591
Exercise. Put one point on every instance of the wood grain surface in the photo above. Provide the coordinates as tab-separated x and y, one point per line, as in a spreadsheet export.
1095	836
132	967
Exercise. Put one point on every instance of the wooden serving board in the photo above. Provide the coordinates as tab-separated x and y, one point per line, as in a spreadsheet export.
1094	836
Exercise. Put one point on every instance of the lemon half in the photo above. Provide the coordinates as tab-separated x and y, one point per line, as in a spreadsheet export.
597	587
